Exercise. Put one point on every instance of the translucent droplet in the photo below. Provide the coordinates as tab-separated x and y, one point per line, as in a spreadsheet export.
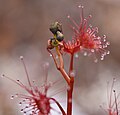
92	50
21	110
21	57
72	74
85	54
104	40
16	95
82	6
18	80
104	36
26	106
90	25
102	55
90	16
68	16
50	55
76	55
79	6
12	97
107	43
108	52
2	75
98	38
114	90
20	103
102	58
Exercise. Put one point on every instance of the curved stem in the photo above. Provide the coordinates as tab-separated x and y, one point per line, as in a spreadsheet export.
53	58
60	58
65	75
60	107
61	64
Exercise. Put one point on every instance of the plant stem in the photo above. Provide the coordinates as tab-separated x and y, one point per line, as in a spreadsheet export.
71	64
68	77
60	107
70	88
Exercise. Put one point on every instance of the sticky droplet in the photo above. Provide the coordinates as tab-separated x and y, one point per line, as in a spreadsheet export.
76	55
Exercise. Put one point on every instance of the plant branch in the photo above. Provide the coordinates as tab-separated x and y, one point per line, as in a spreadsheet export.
60	107
70	88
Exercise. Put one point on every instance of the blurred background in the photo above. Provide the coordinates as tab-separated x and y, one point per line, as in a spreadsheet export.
24	30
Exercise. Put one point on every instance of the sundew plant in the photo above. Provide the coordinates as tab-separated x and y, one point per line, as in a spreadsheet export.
85	40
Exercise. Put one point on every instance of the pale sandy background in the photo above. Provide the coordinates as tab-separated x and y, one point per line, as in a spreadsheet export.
24	31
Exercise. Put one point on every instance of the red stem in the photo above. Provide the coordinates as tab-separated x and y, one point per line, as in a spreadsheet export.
68	77
58	104
71	64
70	88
